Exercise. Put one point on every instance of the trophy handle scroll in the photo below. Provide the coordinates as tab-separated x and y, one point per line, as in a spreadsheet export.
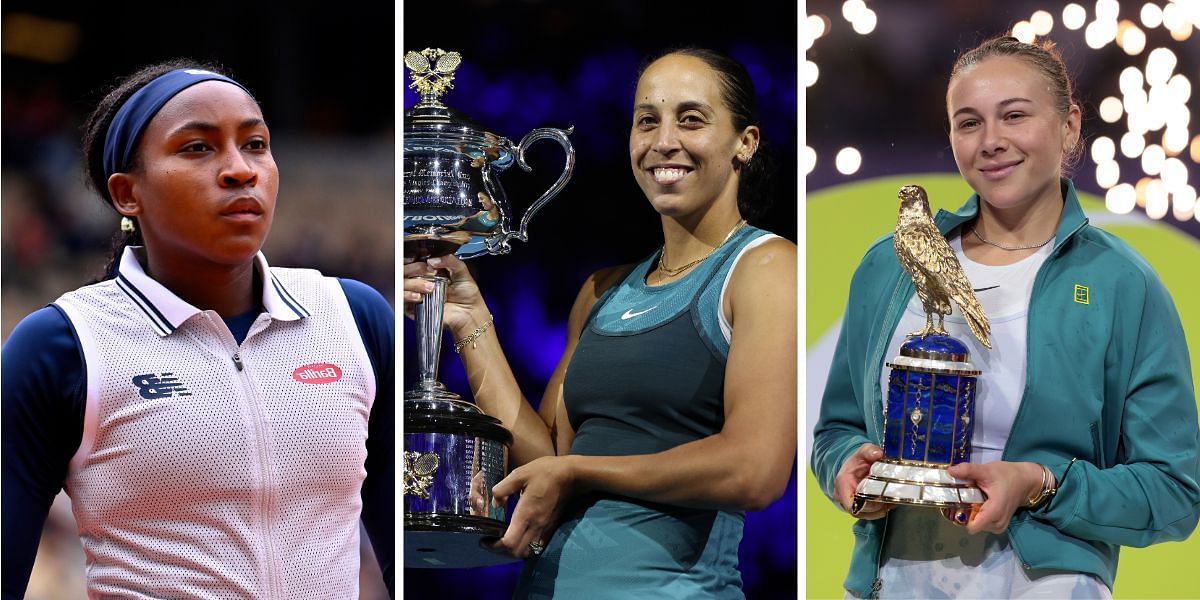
500	244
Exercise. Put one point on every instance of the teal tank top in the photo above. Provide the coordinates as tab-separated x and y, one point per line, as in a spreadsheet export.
647	375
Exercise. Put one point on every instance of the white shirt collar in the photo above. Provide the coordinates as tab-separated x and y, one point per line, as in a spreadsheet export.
165	311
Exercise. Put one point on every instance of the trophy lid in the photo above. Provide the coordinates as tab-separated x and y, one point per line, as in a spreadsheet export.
433	125
935	353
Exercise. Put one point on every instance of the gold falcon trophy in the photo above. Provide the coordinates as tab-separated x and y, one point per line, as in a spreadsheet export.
930	407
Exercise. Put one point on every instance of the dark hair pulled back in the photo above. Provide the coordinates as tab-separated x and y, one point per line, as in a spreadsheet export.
95	128
737	93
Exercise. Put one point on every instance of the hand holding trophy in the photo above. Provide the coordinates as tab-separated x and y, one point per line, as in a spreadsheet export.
454	453
930	406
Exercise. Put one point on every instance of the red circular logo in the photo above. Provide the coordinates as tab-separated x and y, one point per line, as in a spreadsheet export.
317	373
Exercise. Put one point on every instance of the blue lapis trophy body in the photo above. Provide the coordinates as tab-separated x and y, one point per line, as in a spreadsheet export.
928	419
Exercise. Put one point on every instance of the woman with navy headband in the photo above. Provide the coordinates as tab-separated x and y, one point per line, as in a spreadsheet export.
220	425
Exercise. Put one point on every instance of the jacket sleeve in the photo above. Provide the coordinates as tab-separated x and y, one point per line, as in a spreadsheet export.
43	402
1151	495
841	427
376	323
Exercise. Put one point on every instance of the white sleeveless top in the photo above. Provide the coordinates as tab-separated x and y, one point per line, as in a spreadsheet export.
212	470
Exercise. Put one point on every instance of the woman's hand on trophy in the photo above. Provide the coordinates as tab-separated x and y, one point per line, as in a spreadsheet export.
1007	486
544	485
465	308
857	467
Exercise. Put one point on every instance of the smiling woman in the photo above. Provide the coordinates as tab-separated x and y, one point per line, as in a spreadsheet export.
1088	360
220	425
672	410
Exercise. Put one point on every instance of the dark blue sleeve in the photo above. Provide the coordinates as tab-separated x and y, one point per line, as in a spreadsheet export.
377	325
44	396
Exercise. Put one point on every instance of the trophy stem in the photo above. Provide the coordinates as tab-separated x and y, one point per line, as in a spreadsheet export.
428	319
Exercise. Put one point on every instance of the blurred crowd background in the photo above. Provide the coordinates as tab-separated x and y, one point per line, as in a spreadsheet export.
541	63
324	79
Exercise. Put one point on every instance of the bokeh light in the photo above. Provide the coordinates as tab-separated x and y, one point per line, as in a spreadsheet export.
1159	66
1074	16
1132	144
814	27
808	159
1042	21
1173	17
1121	199
1108	174
1151	15
1107	10
1152	159
1175	139
1181	88
1099	33
1174	173
1103	149
1132	40
1183	202
866	21
848	160
1111	109
1023	31
852	8
1157	200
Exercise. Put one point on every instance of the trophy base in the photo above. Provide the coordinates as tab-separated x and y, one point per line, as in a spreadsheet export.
454	455
432	395
433	541
898	482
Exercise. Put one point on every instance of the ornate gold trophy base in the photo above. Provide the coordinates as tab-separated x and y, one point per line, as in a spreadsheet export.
898	482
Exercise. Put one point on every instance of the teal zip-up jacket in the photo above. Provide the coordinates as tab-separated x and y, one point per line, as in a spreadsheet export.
1109	404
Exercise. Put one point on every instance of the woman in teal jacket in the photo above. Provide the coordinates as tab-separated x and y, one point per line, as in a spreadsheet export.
1107	408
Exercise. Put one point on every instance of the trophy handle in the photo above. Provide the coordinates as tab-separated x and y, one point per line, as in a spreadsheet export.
560	136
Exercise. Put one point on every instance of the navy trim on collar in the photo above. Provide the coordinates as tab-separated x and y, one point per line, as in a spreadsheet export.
159	322
288	299
166	311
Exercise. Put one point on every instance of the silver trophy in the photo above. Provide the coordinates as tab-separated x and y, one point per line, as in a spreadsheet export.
453	452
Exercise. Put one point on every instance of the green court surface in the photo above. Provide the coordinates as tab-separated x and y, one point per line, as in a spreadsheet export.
842	222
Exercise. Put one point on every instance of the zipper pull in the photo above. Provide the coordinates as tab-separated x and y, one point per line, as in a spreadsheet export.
237	361
876	586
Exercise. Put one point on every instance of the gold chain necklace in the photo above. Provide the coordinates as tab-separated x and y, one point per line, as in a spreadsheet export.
673	272
1010	248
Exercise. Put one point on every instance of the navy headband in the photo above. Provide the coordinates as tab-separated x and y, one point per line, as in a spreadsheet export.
133	117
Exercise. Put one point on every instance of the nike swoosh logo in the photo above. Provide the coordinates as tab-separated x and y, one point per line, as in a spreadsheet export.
986	288
629	314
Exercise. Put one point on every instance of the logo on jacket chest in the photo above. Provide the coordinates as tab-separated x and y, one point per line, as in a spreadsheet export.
162	385
317	373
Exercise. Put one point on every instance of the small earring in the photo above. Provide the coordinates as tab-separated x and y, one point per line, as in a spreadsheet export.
127	225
